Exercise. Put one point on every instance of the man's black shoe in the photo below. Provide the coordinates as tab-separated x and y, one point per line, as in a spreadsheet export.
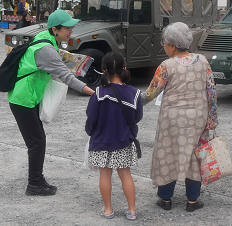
164	205
46	184
194	206
41	190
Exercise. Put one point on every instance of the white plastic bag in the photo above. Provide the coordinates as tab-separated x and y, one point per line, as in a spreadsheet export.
86	163
159	99
53	99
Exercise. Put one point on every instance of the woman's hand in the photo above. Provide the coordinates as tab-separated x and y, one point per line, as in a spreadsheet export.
87	90
210	125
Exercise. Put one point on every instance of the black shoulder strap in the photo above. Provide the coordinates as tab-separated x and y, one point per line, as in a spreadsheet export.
31	44
39	41
123	109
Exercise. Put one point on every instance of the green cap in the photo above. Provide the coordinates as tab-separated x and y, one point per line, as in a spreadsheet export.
60	17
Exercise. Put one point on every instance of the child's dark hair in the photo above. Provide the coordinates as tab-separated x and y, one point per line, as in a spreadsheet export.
25	22
114	63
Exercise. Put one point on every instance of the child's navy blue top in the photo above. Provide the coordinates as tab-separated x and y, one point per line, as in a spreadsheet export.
106	123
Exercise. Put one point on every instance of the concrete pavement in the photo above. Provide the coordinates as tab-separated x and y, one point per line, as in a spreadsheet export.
78	200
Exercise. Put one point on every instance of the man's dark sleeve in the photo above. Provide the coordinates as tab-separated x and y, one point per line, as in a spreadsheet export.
21	8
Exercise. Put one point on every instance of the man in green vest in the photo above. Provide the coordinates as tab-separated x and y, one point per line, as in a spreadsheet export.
42	59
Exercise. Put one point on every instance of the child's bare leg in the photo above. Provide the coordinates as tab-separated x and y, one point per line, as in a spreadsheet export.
105	188
128	187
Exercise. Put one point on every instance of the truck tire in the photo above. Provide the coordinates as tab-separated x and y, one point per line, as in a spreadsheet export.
92	78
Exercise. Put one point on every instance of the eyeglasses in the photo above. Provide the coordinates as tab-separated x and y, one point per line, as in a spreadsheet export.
69	28
162	43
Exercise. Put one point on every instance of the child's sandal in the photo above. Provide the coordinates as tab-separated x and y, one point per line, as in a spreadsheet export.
109	216
130	215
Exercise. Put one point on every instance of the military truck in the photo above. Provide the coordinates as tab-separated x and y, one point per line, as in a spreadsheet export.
216	44
131	27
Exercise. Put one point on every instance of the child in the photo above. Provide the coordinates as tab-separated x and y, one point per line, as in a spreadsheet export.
111	144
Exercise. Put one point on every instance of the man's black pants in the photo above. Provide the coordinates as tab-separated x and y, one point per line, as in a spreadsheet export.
34	136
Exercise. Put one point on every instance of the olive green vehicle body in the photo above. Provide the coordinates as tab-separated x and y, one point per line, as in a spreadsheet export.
216	44
131	27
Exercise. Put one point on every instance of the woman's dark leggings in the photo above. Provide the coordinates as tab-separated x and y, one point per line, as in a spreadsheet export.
192	190
34	136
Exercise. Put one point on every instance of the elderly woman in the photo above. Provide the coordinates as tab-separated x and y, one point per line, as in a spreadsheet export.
188	109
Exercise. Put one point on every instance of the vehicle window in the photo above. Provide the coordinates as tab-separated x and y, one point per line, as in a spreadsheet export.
207	7
97	9
140	12
45	9
166	7
115	4
106	10
68	6
186	7
228	17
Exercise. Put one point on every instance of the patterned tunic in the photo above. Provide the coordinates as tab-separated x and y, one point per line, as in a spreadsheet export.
188	106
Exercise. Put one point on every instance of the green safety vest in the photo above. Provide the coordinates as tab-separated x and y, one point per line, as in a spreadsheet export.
29	91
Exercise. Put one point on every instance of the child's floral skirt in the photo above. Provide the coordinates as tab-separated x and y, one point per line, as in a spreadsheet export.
121	158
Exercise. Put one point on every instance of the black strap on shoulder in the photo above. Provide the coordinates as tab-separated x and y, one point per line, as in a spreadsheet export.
39	41
31	44
19	78
123	109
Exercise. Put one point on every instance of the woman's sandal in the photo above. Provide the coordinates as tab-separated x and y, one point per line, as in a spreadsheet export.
107	216
130	215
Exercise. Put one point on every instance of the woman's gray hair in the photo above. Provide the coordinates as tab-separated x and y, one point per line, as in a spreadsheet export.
178	34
